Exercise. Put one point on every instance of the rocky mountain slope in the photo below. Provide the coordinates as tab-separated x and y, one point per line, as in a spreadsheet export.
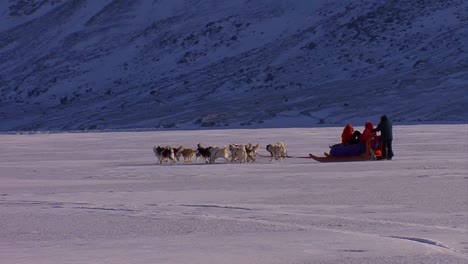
115	64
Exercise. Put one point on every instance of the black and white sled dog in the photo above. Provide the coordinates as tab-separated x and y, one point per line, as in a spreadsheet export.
164	154
202	153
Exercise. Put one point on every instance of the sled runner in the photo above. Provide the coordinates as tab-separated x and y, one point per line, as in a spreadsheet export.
329	158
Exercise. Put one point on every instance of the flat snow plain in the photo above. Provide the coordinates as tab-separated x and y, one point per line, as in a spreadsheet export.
101	198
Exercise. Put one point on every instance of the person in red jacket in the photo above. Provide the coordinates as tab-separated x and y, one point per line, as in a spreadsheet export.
347	134
368	132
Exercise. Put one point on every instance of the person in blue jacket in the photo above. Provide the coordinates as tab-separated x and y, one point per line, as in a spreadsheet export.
385	128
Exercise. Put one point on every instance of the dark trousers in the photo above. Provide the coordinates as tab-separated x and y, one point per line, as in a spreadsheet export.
387	151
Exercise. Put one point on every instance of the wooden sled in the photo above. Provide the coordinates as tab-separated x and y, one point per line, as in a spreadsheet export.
339	159
368	155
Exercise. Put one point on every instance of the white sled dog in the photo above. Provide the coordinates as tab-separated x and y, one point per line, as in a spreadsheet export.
238	153
218	152
277	151
164	154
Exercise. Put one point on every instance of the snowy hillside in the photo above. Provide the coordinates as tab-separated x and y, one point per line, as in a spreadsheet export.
85	64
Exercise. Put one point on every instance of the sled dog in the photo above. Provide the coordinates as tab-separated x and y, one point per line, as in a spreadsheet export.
203	153
238	153
164	154
178	152
251	151
188	155
218	152
277	151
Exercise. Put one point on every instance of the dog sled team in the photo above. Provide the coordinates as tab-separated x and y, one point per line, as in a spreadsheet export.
355	146
233	153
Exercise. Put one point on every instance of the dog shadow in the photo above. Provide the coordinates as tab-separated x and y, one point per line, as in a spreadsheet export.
170	165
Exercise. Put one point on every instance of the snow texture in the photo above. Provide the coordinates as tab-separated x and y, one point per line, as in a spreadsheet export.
101	198
184	64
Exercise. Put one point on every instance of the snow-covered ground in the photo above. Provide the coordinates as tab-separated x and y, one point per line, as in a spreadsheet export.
101	198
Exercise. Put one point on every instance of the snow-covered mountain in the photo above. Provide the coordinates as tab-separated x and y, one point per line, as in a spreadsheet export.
107	64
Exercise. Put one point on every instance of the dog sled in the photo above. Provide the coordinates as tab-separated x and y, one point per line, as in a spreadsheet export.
372	152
